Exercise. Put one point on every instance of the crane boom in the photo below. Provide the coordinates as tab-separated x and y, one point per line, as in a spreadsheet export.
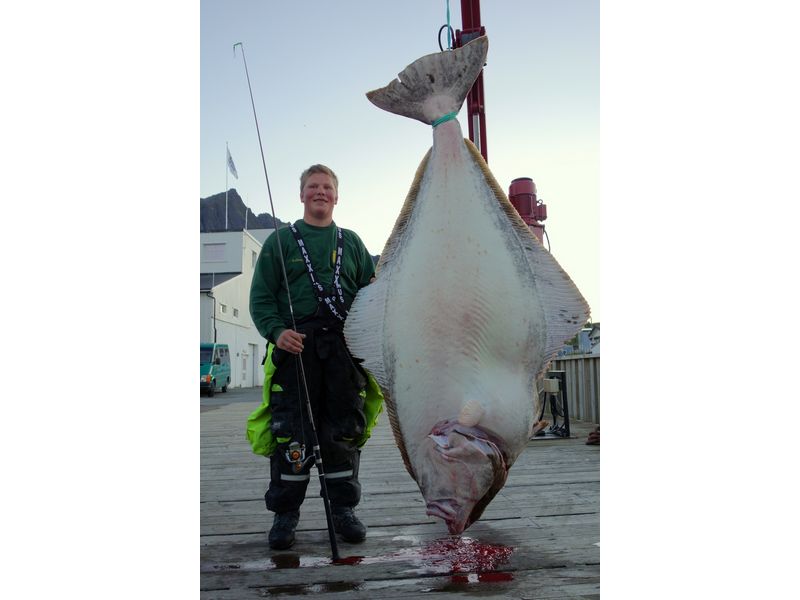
522	191
472	28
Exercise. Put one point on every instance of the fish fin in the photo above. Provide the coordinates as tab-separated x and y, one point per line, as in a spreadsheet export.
471	413
363	329
363	332
565	309
434	85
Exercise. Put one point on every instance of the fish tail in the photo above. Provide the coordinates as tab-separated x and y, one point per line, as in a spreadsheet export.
434	85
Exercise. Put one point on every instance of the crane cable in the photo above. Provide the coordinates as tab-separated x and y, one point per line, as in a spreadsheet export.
450	34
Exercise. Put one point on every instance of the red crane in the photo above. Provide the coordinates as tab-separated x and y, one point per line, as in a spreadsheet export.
471	20
522	191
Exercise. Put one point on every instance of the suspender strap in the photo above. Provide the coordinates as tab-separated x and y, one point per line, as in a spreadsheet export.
335	301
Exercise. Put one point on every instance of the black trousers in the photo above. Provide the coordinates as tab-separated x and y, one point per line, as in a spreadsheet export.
335	386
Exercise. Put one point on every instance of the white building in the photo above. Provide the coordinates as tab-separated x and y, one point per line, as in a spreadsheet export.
227	261
594	338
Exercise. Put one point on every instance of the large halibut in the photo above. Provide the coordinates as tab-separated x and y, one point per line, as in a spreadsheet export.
467	309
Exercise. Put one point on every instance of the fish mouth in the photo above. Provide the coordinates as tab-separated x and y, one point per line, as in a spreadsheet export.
444	509
449	511
463	468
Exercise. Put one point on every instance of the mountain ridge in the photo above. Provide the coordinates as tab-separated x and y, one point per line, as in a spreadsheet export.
212	214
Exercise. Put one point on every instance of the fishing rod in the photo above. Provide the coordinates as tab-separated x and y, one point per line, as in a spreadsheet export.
299	357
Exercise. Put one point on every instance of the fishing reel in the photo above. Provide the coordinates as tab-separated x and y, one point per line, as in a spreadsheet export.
296	456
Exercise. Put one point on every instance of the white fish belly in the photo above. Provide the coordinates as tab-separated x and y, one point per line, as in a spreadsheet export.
462	324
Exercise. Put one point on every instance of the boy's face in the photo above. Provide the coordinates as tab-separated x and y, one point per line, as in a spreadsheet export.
319	196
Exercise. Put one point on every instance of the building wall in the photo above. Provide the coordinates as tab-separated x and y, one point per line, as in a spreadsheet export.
206	318
584	344
260	234
221	252
232	251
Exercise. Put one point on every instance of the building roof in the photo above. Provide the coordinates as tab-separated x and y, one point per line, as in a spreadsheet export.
210	280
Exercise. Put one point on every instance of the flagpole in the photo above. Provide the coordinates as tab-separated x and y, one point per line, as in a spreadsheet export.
226	185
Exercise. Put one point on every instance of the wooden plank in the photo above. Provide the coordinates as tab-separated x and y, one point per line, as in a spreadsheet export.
543	584
578	535
556	500
415	559
389	516
385	513
390	540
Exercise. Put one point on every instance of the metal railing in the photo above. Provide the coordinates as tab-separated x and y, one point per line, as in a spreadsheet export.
583	385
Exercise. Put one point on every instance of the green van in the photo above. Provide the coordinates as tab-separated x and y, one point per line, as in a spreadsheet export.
215	368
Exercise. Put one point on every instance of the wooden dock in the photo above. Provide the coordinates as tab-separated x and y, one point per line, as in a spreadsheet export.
539	537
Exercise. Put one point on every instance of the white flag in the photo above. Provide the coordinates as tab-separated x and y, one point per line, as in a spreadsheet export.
231	166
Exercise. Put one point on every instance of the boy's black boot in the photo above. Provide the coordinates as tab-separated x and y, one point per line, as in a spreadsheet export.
281	536
347	524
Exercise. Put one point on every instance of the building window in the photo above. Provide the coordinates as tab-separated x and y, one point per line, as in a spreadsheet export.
235	312
214	252
223	308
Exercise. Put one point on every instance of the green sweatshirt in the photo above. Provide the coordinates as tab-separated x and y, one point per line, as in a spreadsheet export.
269	305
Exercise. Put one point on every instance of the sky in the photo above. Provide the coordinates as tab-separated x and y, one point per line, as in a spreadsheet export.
311	64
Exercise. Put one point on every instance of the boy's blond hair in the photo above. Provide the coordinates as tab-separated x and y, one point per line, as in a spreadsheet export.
318	169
